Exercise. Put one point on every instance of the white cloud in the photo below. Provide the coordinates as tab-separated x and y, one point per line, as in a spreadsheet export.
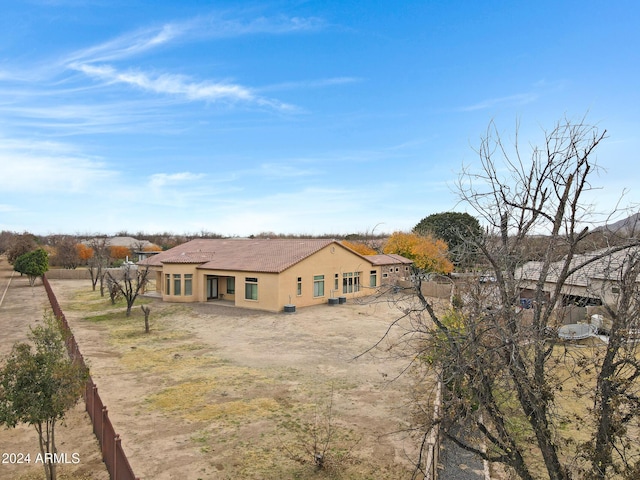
217	26
128	45
208	26
7	208
180	85
511	100
39	167
159	180
305	84
283	170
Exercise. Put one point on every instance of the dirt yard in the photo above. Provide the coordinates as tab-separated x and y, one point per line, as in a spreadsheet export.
216	392
21	307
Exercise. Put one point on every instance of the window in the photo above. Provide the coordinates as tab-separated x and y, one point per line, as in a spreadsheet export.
231	285
385	275
177	280
251	288
336	282
318	285
350	282
373	280
299	285
188	284
167	284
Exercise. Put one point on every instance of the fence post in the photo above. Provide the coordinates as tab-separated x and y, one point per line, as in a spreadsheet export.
116	445
102	442
92	399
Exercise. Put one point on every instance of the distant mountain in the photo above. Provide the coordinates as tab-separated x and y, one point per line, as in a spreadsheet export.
628	227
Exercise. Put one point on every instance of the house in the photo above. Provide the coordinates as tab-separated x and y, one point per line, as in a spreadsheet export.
267	274
393	267
585	290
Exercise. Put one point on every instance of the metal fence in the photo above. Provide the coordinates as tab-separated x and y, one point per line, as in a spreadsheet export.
112	453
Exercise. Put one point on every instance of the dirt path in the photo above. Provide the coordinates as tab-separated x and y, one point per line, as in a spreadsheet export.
215	392
22	307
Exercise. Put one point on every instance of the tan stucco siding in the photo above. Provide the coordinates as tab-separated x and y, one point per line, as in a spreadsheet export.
179	274
333	271
330	261
266	288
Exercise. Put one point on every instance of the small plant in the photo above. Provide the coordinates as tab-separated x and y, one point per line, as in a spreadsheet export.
319	441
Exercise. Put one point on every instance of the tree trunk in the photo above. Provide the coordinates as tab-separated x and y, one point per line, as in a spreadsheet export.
147	311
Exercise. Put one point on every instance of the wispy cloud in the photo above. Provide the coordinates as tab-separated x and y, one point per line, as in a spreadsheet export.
128	45
7	208
99	62
284	170
202	27
304	84
158	180
49	167
511	100
180	85
217	25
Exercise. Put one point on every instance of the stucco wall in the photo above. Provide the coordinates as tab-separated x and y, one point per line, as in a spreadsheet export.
329	261
182	270
277	290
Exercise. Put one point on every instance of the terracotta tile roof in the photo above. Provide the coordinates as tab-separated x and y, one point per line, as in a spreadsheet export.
252	255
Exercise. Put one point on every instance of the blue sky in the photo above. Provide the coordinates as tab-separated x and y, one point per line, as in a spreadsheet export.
307	117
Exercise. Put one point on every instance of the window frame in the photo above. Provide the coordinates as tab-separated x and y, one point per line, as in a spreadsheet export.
373	278
318	286
251	288
188	284
177	284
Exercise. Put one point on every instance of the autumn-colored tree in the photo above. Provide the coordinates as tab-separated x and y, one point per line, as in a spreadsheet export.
118	252
359	247
152	248
428	254
84	252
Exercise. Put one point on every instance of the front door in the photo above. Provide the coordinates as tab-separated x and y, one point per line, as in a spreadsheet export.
212	287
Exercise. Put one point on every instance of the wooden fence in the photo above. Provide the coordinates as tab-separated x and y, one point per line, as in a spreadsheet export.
112	453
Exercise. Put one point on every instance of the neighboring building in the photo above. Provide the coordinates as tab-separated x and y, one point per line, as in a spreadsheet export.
129	242
393	267
267	274
593	285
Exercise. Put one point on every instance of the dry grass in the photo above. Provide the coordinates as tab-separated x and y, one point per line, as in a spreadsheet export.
573	401
232	414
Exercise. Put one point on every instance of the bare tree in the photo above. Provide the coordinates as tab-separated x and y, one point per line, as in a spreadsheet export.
114	291
21	244
97	264
131	284
504	377
66	253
